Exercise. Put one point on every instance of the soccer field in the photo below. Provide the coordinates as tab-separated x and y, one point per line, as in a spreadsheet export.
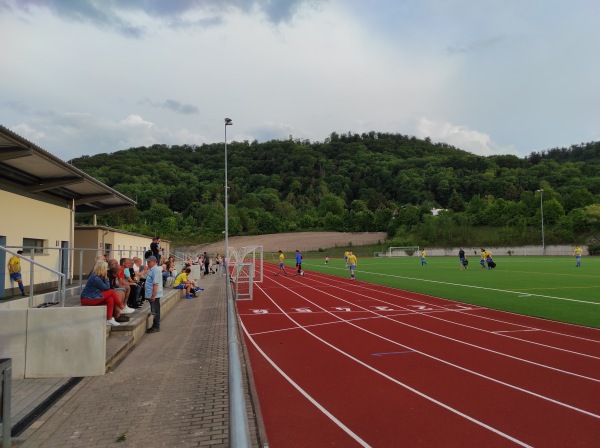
547	287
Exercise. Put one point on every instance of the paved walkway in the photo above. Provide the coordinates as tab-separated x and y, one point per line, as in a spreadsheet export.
170	391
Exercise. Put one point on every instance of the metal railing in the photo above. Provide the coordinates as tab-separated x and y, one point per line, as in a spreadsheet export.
77	254
61	282
239	433
5	391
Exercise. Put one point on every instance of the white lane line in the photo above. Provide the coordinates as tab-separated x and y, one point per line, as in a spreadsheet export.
531	329
479	287
512	386
406	386
429	314
306	395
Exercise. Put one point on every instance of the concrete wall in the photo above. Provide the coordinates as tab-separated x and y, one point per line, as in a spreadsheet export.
473	252
31	218
54	342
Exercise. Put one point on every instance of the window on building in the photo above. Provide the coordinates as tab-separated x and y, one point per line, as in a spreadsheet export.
37	245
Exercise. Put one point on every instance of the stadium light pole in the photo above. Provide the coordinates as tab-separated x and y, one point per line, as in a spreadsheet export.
541	192
228	122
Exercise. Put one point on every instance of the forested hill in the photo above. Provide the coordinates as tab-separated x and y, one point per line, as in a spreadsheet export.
368	182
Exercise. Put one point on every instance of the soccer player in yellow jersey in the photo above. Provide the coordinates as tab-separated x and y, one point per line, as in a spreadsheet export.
423	254
281	265
14	269
346	257
577	252
483	257
352	262
182	282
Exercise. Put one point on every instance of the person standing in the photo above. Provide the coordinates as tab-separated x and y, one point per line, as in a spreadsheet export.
483	258
206	263
346	258
577	252
155	248
14	269
423	255
326	259
352	262
299	263
462	258
154	292
281	264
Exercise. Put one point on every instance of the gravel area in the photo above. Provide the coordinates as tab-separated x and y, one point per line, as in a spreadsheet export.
289	242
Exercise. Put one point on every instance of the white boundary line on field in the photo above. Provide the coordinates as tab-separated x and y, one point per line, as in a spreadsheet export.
369	289
476	287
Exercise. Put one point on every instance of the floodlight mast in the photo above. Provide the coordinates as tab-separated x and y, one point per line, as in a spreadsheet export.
228	122
541	192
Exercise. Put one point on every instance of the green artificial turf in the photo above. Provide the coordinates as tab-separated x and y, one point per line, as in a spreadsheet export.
547	287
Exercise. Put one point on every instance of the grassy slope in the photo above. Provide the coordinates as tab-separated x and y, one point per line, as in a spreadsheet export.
548	287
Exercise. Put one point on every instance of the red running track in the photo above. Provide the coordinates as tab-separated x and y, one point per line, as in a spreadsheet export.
346	363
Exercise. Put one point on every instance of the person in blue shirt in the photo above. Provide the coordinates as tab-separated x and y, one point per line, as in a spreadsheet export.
153	290
299	263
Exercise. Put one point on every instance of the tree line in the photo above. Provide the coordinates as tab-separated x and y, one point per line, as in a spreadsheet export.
355	182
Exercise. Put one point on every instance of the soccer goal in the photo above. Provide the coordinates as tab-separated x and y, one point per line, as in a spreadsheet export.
403	251
244	281
245	266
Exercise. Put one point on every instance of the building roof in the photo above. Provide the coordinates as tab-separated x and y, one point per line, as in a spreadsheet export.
29	168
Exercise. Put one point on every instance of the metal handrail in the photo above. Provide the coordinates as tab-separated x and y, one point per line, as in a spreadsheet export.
239	433
61	277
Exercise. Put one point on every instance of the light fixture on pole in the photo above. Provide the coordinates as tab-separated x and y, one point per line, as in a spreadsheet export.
228	122
541	192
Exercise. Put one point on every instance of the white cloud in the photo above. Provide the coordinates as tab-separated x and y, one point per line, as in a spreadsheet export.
483	76
461	137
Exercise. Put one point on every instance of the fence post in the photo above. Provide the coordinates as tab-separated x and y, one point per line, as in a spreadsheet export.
5	392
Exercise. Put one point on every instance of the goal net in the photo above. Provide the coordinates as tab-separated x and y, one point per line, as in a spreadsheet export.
244	281
245	266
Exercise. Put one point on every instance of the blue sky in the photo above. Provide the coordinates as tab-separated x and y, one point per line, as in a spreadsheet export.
490	77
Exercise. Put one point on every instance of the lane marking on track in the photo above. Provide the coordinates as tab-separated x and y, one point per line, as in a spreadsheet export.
469	326
306	395
478	346
512	386
393	353
477	287
400	383
516	331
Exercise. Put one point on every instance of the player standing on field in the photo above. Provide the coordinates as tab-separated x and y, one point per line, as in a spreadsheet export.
281	265
577	252
299	263
461	257
352	262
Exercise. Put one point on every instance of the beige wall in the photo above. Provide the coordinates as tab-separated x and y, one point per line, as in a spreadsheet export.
122	245
30	218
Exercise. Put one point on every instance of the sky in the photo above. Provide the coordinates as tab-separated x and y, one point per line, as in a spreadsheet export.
82	77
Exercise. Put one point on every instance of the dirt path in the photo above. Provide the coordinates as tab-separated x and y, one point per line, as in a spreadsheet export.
289	242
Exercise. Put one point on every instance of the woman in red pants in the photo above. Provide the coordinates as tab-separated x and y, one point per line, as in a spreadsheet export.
97	292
